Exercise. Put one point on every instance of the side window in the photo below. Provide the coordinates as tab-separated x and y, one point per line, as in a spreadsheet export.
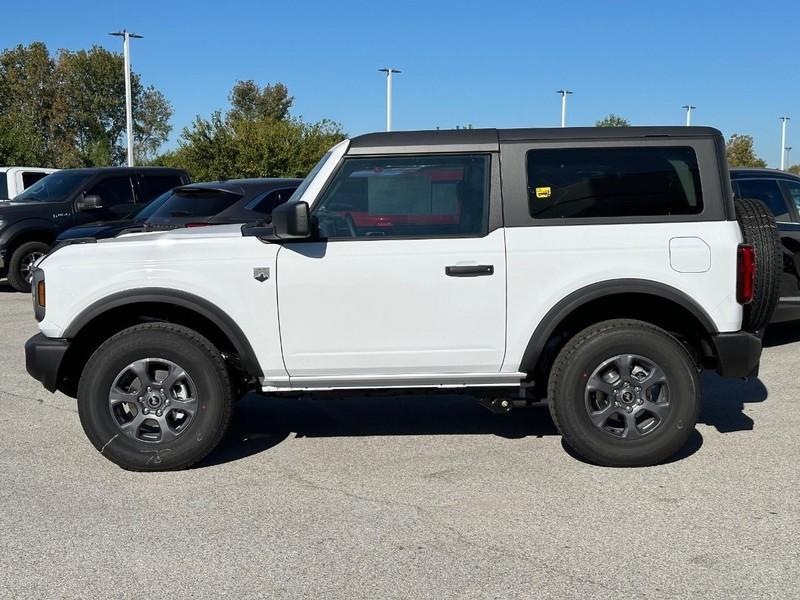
402	196
793	188
151	186
31	177
575	183
116	193
769	192
266	202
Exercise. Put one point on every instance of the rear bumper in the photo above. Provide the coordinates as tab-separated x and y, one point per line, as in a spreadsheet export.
738	354
43	358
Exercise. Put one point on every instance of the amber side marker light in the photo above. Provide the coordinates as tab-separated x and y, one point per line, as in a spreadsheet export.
40	294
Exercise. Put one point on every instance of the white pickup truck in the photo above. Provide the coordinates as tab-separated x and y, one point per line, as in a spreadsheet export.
15	180
599	270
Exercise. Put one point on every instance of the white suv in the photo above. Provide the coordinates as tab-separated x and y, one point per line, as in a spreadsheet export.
597	269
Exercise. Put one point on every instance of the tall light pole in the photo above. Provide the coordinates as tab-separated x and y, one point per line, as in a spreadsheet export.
389	72
126	50
688	108
783	142
564	94
788	149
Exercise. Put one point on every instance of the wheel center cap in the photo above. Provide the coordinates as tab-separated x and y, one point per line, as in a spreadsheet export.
153	399
627	396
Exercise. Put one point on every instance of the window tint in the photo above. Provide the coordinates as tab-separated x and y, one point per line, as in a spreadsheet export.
151	186
769	192
195	202
613	182
114	191
793	187
265	203
31	177
56	187
422	196
3	186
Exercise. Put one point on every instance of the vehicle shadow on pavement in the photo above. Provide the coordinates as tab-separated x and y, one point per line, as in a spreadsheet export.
5	288
724	402
259	422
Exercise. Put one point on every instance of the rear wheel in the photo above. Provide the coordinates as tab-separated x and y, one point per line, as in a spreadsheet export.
155	397
20	267
624	393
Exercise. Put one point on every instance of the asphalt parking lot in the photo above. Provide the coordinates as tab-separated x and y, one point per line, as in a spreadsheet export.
412	497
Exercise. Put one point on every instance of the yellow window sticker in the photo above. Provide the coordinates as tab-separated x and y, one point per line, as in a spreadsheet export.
543	192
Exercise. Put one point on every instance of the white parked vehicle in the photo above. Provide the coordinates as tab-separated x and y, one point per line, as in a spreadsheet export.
597	269
15	180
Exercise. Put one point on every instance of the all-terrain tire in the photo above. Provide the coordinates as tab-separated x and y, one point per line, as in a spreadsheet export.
138	448
20	263
759	229
570	400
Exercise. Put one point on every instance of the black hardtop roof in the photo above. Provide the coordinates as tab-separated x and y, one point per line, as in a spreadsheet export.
487	139
122	170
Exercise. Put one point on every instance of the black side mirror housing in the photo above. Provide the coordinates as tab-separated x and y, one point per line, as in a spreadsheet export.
291	221
89	202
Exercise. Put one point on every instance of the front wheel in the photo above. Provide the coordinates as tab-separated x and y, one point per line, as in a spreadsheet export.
155	397
624	393
20	266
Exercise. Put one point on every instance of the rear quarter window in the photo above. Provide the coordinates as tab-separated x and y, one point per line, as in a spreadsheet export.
580	183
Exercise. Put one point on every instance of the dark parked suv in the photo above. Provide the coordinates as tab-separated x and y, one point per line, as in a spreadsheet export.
31	222
780	191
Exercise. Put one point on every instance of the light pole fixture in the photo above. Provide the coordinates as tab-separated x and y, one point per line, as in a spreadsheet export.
564	93
389	72
688	108
783	142
126	50
788	162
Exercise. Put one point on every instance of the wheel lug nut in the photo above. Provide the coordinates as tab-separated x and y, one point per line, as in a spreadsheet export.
628	409
146	411
140	398
158	414
166	401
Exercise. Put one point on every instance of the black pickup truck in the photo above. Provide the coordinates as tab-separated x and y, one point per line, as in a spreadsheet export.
31	222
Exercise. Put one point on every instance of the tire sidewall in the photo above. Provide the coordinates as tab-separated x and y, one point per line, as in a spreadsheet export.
684	396
122	448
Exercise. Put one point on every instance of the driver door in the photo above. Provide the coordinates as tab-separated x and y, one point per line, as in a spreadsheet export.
407	276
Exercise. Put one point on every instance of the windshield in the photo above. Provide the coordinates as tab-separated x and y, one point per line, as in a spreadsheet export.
142	214
56	187
195	203
298	193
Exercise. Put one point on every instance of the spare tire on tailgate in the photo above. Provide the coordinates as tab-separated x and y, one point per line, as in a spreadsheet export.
760	231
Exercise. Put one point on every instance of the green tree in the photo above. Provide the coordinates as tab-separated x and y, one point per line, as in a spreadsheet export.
69	110
249	101
255	137
740	152
612	120
794	169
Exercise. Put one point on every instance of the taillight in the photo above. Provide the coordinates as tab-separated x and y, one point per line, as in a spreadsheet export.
745	274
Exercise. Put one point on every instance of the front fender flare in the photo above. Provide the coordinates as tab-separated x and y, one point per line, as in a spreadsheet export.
186	300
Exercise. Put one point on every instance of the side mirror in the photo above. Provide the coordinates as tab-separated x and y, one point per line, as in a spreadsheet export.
89	203
291	221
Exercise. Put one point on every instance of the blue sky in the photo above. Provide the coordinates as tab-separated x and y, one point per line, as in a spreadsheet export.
491	64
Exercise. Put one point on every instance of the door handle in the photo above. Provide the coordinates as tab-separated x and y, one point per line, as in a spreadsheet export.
468	270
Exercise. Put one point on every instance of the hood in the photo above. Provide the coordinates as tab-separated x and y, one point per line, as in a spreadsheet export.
11	208
179	235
